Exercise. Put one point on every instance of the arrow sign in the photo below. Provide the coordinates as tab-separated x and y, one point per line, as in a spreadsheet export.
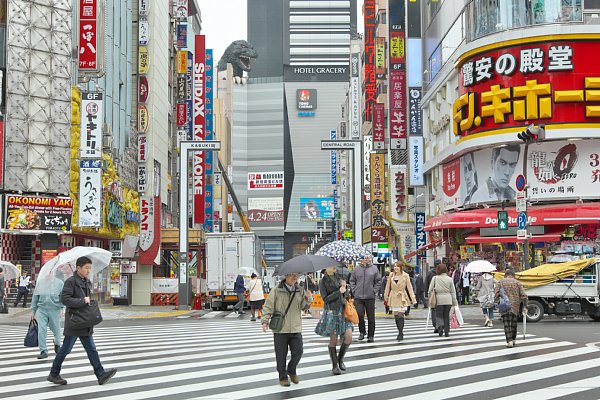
522	220
520	182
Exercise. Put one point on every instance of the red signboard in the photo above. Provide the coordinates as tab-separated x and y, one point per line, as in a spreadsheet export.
181	114
379	126
143	89
1	151
369	40
199	99
88	35
397	109
451	177
553	82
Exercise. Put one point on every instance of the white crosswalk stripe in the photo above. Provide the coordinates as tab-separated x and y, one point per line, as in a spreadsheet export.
219	357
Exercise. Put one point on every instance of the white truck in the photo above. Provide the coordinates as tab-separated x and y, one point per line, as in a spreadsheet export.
227	255
578	294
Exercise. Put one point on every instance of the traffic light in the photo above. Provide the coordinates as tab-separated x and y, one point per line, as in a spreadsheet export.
533	134
502	220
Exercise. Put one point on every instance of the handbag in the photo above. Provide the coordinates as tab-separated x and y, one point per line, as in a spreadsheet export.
431	295
459	316
504	305
86	316
276	322
350	312
31	338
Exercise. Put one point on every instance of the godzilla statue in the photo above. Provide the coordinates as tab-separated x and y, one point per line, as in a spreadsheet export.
240	55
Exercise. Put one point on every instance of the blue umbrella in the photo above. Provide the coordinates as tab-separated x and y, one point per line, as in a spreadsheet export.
344	251
305	263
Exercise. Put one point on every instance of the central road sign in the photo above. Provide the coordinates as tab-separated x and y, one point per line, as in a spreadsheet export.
340	144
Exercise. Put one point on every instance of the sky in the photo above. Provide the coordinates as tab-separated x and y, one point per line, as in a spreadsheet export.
222	24
224	21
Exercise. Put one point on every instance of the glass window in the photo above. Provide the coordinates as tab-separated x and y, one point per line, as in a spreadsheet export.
435	63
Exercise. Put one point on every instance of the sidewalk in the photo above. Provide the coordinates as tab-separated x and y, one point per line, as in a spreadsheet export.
21	315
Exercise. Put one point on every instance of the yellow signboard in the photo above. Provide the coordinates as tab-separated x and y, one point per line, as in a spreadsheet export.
143	60
143	119
182	62
380	56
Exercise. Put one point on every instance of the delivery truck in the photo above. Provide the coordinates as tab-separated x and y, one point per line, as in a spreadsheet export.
227	255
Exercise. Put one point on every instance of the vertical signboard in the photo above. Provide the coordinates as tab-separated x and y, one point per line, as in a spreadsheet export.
90	193
379	127
332	136
199	181
91	125
369	43
208	208
380	57
420	236
415	116
89	39
189	97
415	154
367	148
146	222
397	34
399	193
378	230
355	97
397	89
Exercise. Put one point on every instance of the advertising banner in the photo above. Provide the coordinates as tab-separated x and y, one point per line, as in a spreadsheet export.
146	222
265	180
306	99
397	111
415	156
90	193
91	125
143	60
142	178
415	115
144	31
88	35
182	33
367	148
379	126
333	158
165	285
181	116
38	213
143	119
208	208
380	56
265	209
451	184
421	237
180	9
369	81
189	96
142	148
316	208
553	82
397	26
199	182
181	62
355	97
398	192
143	89
378	227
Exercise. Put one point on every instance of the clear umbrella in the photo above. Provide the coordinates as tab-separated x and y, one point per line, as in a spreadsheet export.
10	270
62	267
480	266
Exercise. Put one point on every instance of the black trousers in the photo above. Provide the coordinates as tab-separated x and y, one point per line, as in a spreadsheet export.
443	317
282	341
420	298
22	294
368	305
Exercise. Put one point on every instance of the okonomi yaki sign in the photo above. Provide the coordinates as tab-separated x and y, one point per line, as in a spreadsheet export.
38	213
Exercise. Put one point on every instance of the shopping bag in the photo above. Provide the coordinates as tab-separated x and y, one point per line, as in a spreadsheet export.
428	317
454	321
459	316
31	338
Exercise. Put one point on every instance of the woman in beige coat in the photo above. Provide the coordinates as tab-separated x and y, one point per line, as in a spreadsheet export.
399	295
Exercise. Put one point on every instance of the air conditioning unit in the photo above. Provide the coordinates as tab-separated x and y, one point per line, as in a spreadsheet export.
107	141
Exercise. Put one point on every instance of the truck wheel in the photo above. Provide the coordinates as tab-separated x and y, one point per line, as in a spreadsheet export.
594	317
535	311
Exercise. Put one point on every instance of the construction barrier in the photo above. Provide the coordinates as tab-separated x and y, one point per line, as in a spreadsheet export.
164	299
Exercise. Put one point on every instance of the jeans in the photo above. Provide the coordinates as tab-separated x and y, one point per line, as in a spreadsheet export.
443	317
240	304
489	311
369	305
67	346
282	341
48	318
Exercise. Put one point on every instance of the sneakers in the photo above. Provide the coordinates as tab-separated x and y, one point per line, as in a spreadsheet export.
284	382
43	354
510	344
491	324
295	379
361	336
109	373
56	379
252	319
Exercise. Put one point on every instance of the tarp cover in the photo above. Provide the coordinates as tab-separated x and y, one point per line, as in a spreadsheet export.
549	273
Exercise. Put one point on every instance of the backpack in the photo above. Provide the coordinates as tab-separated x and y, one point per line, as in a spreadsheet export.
504	305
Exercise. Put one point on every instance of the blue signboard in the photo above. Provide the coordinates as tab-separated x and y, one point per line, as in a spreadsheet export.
208	155
188	96
181	35
522	220
421	238
317	208
332	136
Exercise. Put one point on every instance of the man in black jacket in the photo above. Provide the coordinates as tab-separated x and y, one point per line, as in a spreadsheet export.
76	294
365	282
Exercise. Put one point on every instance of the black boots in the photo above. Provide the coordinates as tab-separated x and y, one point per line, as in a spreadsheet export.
400	326
334	360
343	349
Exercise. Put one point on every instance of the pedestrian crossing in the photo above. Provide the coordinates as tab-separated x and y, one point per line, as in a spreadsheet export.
227	358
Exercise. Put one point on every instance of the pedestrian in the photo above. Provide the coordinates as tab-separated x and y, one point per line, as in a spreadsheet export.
23	289
430	275
289	299
239	289
512	289
365	283
399	295
445	295
420	290
75	295
466	285
381	292
3	305
256	295
485	296
46	309
333	322
411	275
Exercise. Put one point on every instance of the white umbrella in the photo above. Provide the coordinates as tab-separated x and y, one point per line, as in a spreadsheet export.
62	267
10	270
480	266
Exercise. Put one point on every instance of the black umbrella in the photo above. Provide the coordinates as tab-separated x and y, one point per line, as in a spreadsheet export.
305	263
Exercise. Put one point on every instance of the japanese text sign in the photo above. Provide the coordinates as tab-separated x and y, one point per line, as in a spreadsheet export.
88	35
91	125
90	193
38	213
378	229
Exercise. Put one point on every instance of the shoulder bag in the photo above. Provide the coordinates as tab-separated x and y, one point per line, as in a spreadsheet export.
86	316
31	338
431	295
504	305
276	322
350	312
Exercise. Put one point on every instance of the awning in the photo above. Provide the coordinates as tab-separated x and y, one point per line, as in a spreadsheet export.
552	236
563	214
422	248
